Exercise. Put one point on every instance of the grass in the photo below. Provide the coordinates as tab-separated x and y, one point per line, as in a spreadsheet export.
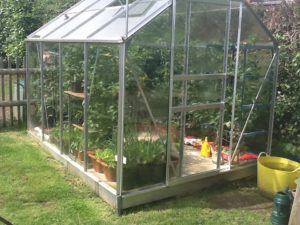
35	189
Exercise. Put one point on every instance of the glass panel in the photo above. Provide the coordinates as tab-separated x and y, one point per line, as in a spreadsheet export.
206	53
199	156
255	56
198	91
59	21
234	24
73	100
252	31
94	24
257	129
180	38
255	138
34	83
140	12
51	93
200	50
80	20
146	105
103	91
176	142
233	34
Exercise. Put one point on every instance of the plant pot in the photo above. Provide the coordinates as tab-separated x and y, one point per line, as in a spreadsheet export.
130	178
76	86
109	172
158	172
50	121
96	163
144	174
80	156
98	166
75	153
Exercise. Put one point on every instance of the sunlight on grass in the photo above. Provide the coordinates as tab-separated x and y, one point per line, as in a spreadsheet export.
36	190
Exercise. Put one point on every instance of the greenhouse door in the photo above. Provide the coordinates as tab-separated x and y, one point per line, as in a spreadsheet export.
198	92
196	125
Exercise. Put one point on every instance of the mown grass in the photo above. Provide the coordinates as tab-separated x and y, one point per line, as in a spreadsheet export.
35	189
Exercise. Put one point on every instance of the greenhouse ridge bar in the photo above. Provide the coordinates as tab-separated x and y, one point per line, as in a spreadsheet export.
148	99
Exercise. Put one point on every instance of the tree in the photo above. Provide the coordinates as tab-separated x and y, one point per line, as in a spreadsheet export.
284	21
20	18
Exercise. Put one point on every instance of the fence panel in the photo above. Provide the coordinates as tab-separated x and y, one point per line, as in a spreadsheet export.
12	94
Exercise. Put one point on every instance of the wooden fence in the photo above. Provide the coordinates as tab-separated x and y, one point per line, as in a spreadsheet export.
12	92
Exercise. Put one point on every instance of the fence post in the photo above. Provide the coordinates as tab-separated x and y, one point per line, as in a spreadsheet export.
3	93
25	90
10	87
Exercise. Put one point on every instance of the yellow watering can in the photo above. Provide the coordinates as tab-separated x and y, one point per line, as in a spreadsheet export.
205	149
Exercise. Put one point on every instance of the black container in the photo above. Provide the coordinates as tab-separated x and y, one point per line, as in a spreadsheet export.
130	178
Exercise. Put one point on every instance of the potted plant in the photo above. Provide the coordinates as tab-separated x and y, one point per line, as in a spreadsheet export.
145	162
153	163
108	162
76	144
94	156
54	135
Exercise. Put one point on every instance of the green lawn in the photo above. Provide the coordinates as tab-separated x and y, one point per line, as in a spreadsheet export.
35	189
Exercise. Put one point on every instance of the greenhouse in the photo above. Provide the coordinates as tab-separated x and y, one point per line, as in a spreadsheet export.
147	99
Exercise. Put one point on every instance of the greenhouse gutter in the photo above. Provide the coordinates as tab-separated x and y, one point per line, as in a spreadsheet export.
108	40
175	187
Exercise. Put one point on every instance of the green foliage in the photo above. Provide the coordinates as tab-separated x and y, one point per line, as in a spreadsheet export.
20	18
55	133
283	21
103	91
143	151
288	100
107	155
285	149
76	140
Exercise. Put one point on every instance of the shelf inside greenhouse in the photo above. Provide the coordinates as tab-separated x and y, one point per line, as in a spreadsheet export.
149	99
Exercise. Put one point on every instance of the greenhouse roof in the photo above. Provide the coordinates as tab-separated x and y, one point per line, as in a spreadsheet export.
100	21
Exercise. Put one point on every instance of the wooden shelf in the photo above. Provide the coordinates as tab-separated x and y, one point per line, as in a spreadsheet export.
77	126
75	94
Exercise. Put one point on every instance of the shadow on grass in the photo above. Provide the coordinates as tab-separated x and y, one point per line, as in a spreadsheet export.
20	128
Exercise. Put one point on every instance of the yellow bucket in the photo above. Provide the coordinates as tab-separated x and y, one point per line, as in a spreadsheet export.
275	173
